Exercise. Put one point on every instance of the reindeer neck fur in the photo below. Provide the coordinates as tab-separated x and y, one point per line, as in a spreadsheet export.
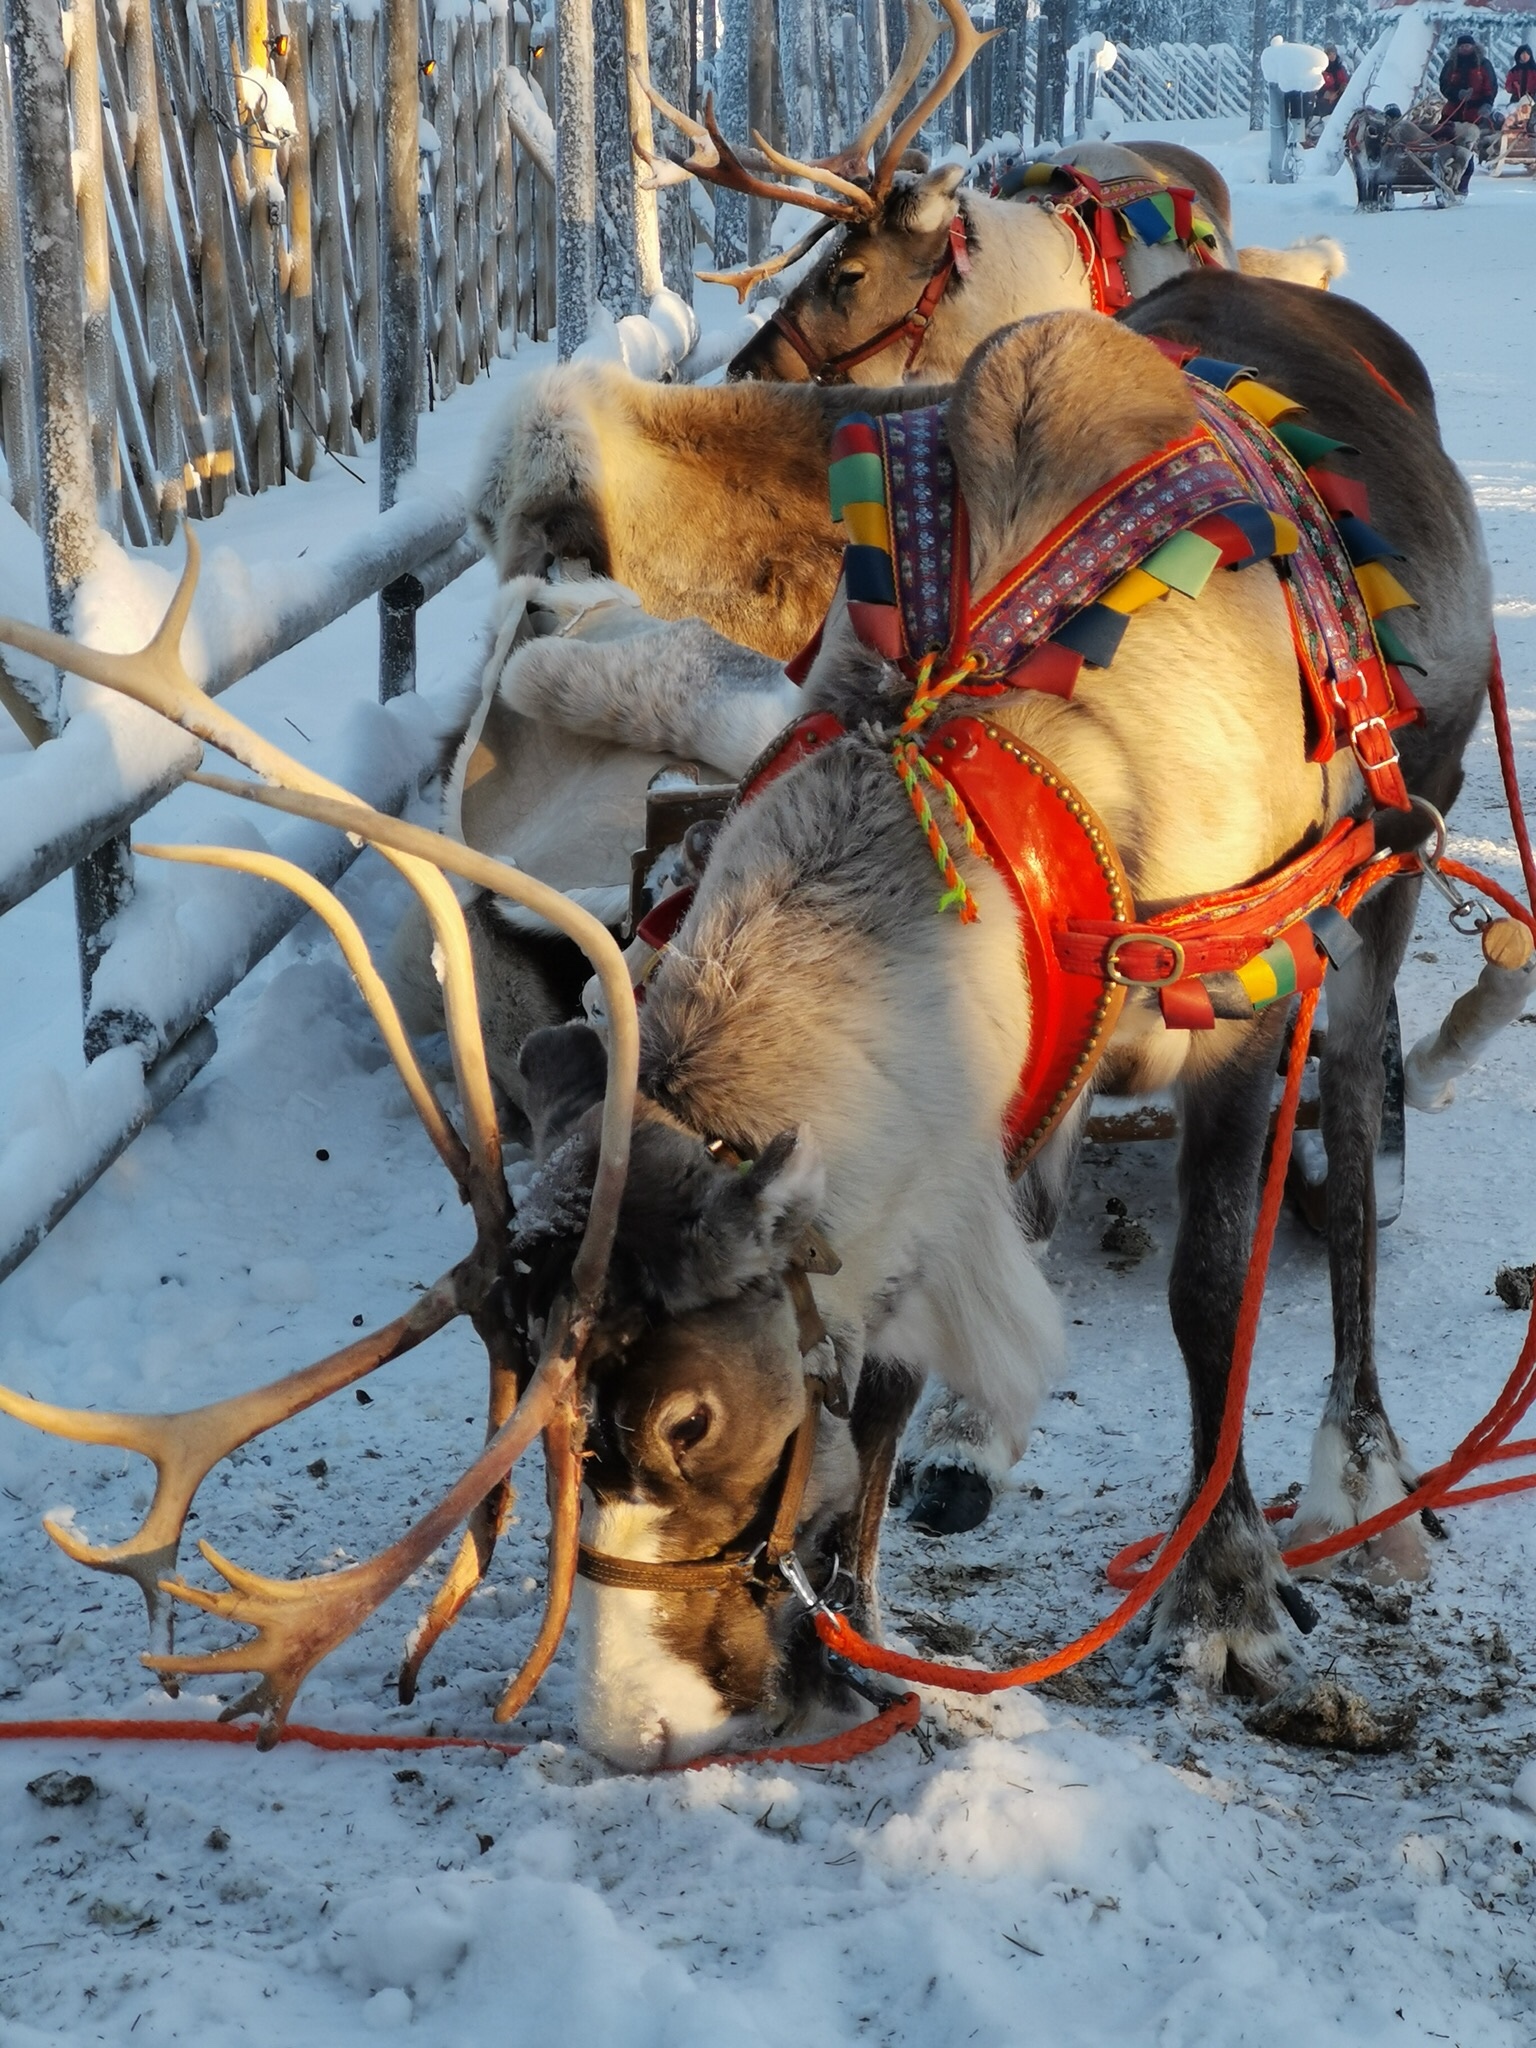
706	503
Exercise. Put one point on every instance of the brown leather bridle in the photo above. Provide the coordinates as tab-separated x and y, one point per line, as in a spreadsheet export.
755	1565
911	327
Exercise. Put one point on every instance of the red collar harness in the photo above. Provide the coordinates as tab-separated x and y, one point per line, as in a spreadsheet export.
1236	488
1104	216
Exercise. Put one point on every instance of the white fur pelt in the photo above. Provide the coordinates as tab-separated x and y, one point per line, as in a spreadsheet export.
667	688
583	699
1316	260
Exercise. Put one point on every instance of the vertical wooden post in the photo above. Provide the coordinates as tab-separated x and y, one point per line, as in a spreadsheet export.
159	311
575	172
91	202
647	216
365	231
449	350
400	315
332	266
265	218
508	309
545	209
762	55
300	281
466	210
50	257
15	351
213	279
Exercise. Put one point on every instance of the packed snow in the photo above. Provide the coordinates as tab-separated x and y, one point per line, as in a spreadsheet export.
1082	1864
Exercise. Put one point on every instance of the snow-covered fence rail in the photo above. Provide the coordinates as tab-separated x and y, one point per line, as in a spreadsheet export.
158	953
180	943
1178	82
228	190
103	771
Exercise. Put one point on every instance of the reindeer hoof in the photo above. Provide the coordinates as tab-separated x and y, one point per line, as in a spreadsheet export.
1221	1619
950	1499
1347	1486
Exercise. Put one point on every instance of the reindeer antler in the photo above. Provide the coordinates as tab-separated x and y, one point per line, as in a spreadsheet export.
968	41
299	1623
857	191
923	31
715	162
753	273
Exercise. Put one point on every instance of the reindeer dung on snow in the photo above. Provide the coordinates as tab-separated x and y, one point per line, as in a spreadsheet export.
818	1209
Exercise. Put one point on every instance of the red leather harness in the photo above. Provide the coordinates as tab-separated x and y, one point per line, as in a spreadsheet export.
1083	947
911	327
1087	208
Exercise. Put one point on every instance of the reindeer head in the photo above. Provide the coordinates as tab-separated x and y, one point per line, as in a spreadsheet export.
705	1378
887	227
861	294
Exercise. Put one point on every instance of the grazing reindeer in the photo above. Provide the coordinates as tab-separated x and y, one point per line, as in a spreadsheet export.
817	1205
813	1016
590	462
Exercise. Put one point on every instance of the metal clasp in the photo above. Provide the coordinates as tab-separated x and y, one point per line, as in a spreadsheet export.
793	1573
1390	759
1461	906
1112	970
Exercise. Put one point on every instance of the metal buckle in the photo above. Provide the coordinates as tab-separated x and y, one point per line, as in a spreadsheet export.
1112	971
1389	760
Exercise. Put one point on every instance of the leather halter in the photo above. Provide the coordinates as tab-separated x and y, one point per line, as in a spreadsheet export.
911	327
740	1564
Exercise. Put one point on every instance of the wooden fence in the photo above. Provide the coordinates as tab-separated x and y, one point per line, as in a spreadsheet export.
228	189
1178	82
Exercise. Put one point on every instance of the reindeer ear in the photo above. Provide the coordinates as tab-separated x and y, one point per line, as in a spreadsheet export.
786	1185
565	1071
932	204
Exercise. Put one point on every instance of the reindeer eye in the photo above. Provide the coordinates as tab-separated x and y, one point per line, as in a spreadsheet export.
848	275
691	1430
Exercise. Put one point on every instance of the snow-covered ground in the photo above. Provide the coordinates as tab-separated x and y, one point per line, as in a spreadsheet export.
1079	1865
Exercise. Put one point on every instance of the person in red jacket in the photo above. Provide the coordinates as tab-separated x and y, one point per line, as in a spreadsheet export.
1335	78
1520	84
1468	84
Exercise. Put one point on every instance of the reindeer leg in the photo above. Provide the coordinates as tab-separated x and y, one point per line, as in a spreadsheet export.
1219	1615
886	1396
1358	1464
961	1458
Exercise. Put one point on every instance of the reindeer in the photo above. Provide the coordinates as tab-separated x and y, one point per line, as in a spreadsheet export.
589	461
815	1018
587	465
918	272
817	1209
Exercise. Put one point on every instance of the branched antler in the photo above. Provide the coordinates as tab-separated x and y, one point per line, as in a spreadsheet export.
857	190
300	1622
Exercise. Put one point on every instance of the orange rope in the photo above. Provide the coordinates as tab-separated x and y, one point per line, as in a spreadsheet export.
84	1732
896	1719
